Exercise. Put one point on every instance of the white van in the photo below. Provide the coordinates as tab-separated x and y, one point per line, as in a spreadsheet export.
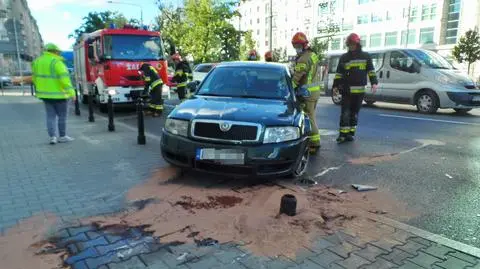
417	77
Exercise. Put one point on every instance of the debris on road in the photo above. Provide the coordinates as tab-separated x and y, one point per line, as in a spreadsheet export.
182	257
207	242
380	212
449	176
336	192
359	187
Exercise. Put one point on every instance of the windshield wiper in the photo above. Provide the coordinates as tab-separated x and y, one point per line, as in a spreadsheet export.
212	94
257	97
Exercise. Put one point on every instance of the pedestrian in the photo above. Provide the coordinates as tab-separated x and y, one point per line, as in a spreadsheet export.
268	56
181	77
252	55
351	80
153	87
305	75
54	87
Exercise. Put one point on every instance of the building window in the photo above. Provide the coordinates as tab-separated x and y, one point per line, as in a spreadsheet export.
376	17
428	12
258	8
258	20
388	17
363	40
362	19
426	35
433	11
258	32
335	44
308	3
412	37
391	39
413	14
323	8
452	22
375	40
362	2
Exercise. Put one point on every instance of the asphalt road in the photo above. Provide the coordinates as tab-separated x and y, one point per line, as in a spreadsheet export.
435	169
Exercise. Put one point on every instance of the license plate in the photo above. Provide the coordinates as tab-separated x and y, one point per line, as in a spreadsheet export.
223	156
476	98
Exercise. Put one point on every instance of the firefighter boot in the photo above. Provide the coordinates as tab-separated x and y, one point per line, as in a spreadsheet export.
350	138
342	138
313	149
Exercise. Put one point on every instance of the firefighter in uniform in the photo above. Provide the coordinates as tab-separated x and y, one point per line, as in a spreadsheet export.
252	55
183	74
306	75
154	83
351	79
268	56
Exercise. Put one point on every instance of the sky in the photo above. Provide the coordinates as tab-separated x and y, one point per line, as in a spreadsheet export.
56	19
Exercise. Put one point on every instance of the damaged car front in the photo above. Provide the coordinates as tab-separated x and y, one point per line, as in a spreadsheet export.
244	120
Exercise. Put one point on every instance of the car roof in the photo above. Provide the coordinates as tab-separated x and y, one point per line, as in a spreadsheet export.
276	66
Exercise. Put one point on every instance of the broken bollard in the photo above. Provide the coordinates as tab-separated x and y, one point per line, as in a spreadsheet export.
288	205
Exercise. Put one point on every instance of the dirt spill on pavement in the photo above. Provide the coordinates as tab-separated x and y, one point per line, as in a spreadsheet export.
370	160
20	245
182	209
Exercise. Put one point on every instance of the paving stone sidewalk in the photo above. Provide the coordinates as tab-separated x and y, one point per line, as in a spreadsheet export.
91	175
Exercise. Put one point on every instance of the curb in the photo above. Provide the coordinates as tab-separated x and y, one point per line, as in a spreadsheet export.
474	251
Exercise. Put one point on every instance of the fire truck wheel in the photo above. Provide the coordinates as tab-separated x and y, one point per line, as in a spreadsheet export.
103	108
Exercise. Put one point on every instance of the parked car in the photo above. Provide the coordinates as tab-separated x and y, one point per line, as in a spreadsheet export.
5	81
200	71
244	120
417	77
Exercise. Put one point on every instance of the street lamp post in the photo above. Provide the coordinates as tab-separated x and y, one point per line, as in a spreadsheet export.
131	4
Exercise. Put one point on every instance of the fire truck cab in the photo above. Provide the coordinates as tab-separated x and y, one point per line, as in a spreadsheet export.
107	62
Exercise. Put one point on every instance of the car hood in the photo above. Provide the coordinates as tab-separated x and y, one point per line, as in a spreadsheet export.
458	76
264	111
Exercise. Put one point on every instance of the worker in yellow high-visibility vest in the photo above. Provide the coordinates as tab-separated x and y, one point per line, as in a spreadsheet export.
54	87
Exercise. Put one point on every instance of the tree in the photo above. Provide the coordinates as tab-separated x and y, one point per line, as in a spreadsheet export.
468	48
280	55
328	29
100	20
248	43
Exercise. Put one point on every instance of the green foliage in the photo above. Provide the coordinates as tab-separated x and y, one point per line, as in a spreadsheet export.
247	44
201	28
468	48
280	55
99	20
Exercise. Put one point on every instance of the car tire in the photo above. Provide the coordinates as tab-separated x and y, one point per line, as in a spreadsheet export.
302	165
369	102
427	102
336	96
462	110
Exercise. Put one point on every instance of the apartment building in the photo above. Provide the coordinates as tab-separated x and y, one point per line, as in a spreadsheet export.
18	33
430	24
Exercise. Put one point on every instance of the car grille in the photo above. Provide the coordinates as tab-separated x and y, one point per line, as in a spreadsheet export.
238	132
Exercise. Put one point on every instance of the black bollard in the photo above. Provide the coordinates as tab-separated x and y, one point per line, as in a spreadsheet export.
77	105
141	125
91	118
111	125
31	89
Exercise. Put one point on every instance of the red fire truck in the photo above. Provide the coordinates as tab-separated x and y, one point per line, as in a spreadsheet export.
107	62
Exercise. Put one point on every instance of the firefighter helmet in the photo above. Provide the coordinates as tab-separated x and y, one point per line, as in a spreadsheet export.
176	57
268	56
144	67
252	55
299	39
353	39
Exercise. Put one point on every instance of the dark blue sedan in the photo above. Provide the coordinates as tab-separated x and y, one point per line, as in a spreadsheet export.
244	120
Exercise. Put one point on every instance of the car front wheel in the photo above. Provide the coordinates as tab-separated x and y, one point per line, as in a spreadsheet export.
302	164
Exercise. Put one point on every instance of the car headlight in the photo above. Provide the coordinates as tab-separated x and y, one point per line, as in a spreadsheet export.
281	134
445	80
177	127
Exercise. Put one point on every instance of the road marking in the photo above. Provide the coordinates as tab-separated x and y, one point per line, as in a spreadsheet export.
429	119
327	170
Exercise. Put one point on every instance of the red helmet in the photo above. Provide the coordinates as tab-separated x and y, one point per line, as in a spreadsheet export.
353	39
176	57
268	56
252	55
299	38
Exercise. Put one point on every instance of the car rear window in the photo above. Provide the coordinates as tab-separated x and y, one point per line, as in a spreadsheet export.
248	82
204	68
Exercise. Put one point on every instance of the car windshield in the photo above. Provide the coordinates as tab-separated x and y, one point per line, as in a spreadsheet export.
430	59
133	47
246	82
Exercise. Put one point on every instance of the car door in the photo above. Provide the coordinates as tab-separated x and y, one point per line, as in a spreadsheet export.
399	79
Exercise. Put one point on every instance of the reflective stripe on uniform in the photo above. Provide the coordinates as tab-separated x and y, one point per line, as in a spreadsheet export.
360	64
338	76
313	86
315	138
182	84
48	93
353	129
156	107
300	67
345	129
154	70
357	89
179	72
156	83
372	74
